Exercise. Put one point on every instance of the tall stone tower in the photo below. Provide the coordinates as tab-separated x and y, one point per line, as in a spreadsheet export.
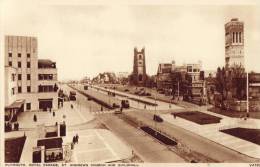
139	70
234	46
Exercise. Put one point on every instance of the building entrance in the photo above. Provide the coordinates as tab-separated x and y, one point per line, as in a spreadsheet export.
45	104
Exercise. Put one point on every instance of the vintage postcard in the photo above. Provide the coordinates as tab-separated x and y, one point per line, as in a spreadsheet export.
130	83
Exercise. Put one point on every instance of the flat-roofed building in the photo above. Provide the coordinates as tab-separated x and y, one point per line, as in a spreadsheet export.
30	84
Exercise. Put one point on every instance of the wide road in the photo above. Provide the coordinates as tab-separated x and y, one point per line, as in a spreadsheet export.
193	141
146	147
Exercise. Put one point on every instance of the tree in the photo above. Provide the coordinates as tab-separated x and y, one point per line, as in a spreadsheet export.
231	83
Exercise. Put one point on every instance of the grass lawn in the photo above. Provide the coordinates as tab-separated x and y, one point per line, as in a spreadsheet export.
234	114
252	135
13	149
198	117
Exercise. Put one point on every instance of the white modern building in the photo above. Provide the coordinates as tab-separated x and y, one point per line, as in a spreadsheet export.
30	83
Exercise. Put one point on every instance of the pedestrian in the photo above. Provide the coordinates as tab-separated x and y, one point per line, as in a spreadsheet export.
34	118
71	106
77	138
74	140
53	114
101	108
145	106
50	109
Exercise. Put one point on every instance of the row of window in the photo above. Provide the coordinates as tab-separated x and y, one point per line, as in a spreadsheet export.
46	88
19	55
19	64
237	37
40	77
45	77
194	70
20	76
41	88
19	90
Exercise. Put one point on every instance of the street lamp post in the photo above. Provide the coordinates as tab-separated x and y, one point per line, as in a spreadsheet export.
247	93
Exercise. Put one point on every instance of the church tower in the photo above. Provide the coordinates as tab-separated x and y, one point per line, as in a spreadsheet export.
139	69
234	46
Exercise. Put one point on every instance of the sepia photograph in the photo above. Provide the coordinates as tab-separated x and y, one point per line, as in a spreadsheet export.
130	83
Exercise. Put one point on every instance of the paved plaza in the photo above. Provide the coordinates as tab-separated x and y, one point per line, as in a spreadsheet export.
66	113
98	146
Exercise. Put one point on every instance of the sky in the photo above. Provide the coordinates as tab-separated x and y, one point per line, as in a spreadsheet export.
87	39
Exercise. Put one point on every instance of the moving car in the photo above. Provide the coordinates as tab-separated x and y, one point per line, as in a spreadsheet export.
125	104
157	118
72	95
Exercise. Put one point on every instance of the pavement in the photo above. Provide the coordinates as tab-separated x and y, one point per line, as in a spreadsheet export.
211	132
70	116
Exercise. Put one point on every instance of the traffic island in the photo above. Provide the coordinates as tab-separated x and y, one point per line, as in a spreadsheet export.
198	117
162	138
251	135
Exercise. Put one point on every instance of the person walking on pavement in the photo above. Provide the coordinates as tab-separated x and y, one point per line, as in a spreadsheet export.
74	140
77	138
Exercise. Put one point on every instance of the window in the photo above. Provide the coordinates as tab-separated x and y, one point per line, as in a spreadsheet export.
28	106
13	91
10	63
40	77
51	77
233	37
10	54
13	77
140	56
19	89
28	77
19	64
19	55
28	55
28	64
240	40
28	89
19	76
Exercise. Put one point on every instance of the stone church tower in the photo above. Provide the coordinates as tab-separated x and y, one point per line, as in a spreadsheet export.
139	70
234	46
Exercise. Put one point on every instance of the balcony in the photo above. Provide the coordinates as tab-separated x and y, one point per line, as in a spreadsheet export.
47	88
46	63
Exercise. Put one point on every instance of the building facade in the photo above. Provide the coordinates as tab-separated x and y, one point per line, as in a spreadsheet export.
164	75
139	75
30	84
234	43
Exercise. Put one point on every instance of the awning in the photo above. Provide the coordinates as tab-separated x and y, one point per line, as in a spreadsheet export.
16	105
